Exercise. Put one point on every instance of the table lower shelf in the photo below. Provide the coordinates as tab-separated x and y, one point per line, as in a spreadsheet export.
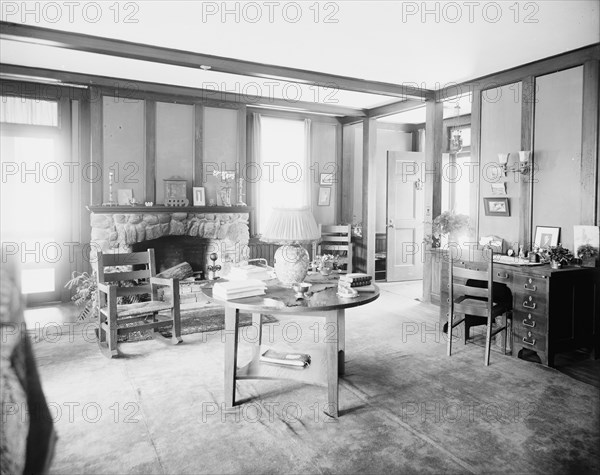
315	373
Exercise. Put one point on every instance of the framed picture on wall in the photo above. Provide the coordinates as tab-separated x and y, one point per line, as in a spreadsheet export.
324	197
199	196
496	207
326	179
546	236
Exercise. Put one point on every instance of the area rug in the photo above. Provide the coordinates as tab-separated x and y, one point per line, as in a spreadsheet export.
195	321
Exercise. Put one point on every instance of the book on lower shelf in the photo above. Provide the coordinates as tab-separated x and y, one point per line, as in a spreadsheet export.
298	360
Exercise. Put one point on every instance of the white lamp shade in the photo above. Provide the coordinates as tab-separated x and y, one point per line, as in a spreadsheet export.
524	155
503	158
287	226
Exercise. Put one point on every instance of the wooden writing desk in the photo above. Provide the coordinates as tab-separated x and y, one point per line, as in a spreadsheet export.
553	309
279	300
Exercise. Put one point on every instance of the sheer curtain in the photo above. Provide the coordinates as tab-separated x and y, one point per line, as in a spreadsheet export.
16	110
282	149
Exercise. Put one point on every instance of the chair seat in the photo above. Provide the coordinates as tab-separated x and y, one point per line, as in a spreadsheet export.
477	307
140	308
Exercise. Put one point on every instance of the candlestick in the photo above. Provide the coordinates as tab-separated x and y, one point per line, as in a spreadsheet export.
240	201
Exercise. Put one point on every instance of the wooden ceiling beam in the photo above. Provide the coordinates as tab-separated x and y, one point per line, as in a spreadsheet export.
132	89
175	57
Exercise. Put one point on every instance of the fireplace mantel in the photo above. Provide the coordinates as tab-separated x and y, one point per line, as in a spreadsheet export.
224	228
167	209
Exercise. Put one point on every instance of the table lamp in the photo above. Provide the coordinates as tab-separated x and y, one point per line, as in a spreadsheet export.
291	228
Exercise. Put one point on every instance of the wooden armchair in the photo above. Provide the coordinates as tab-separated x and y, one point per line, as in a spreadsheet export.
337	240
116	319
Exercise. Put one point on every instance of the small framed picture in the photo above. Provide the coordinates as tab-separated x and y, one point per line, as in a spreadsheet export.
546	236
199	196
326	179
124	196
498	189
324	197
496	207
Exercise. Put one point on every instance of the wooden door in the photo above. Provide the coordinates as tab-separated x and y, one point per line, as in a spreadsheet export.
405	216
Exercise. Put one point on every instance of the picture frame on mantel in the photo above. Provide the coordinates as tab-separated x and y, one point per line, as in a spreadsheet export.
496	206
199	196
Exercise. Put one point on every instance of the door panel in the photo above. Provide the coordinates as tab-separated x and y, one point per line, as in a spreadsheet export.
405	216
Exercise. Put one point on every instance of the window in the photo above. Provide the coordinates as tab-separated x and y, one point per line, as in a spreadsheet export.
456	186
18	110
283	173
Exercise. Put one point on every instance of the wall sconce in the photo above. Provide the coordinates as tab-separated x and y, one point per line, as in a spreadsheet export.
523	167
524	158
503	161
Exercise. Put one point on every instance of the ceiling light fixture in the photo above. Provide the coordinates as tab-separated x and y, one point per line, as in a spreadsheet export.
204	67
456	139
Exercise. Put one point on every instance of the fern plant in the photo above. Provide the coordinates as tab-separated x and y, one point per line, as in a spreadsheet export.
85	286
85	295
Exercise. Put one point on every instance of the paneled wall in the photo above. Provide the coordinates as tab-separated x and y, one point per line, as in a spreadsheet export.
174	145
124	146
500	133
557	138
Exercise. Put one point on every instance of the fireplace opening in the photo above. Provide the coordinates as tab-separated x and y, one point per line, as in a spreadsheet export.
172	250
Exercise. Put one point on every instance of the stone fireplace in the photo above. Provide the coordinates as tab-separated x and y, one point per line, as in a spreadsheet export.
129	229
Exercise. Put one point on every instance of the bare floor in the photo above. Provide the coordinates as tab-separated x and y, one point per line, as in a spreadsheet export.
405	406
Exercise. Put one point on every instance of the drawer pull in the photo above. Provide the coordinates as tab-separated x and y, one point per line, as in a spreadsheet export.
527	324
529	342
502	275
532	288
531	306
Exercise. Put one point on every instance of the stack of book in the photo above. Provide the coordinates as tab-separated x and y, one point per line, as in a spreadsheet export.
248	271
239	289
356	281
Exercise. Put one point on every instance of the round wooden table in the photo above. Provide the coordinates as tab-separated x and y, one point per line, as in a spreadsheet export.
323	302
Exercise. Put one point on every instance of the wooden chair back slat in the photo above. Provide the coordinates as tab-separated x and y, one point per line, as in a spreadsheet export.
127	275
122	259
471	274
471	291
339	229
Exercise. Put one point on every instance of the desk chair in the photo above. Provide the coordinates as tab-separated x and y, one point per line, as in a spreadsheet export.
337	240
112	317
472	300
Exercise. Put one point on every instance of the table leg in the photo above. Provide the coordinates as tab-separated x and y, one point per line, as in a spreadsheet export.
341	323
231	346
332	344
257	323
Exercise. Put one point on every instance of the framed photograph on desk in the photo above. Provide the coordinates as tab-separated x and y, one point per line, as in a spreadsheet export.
546	236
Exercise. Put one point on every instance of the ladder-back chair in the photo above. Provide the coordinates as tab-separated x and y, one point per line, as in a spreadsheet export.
115	319
337	240
470	297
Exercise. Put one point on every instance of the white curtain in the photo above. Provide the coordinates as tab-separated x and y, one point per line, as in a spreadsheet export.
16	110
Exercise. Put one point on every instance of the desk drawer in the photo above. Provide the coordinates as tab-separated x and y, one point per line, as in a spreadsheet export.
530	338
503	276
530	285
534	304
530	321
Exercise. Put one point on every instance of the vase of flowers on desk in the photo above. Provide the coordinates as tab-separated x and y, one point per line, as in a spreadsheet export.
587	253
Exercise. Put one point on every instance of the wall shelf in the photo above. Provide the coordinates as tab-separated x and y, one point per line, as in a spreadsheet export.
166	209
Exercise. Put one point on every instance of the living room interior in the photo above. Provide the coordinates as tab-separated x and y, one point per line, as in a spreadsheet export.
405	143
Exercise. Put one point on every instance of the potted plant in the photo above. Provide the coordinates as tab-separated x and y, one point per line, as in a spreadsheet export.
587	253
557	255
448	224
326	263
85	286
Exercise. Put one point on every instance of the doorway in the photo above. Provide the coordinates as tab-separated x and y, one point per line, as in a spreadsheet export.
405	216
35	198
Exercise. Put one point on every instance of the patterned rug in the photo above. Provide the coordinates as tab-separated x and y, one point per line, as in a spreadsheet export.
195	321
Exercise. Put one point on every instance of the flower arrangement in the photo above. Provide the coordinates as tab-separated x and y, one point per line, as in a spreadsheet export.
586	251
557	255
447	223
325	263
228	177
